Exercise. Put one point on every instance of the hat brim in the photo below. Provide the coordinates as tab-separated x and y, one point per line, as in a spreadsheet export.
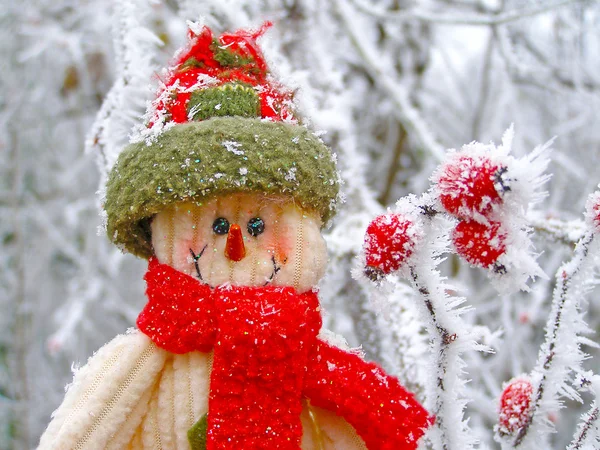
193	161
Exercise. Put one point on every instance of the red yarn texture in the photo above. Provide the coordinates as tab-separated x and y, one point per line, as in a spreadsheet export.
180	313
267	357
383	413
260	360
201	59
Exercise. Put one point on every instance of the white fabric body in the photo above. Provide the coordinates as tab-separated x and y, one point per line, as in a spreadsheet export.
133	395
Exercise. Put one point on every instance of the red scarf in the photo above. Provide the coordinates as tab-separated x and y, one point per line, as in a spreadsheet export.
267	358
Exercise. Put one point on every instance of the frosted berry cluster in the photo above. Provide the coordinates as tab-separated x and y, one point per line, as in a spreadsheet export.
471	186
515	405
489	192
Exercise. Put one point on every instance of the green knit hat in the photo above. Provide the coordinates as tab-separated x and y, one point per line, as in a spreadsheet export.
250	143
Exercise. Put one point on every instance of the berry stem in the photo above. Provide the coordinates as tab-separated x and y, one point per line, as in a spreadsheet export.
553	360
446	356
555	230
590	421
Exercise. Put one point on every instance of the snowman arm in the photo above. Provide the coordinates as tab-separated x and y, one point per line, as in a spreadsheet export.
383	413
105	395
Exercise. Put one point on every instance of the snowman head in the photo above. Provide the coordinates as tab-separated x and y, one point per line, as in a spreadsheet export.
224	183
244	239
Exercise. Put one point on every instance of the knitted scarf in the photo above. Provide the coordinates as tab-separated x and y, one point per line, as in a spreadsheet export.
267	357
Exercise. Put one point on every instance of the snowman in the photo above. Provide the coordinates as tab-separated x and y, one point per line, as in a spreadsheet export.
225	194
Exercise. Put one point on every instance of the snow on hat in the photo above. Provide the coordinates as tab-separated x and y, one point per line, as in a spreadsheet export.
220	124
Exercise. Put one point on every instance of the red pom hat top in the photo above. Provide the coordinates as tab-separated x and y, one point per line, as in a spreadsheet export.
222	76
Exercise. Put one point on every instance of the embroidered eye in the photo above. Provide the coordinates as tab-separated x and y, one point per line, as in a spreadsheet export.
221	226
256	226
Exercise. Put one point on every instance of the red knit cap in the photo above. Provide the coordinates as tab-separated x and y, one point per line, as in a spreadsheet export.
225	76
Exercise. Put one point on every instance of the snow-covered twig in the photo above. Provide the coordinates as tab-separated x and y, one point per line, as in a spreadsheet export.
589	422
96	139
134	46
449	339
542	76
556	230
407	113
443	351
560	353
470	19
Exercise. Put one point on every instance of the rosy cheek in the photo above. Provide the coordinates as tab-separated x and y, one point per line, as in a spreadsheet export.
182	251
282	250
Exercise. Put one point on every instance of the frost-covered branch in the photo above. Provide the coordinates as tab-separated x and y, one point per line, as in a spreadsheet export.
135	48
463	19
588	430
411	240
561	353
543	74
407	113
556	230
448	389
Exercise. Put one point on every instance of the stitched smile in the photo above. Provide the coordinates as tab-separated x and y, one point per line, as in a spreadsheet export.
276	269
196	257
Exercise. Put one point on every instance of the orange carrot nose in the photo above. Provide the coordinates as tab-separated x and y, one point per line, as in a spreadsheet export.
234	248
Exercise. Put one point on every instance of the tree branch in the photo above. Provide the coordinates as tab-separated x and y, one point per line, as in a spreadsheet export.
407	113
556	230
556	361
472	20
590	421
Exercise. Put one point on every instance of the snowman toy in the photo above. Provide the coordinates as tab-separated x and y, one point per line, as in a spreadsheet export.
225	194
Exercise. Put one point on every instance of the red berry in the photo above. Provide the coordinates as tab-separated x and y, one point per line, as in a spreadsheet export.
480	244
593	211
514	405
388	242
468	184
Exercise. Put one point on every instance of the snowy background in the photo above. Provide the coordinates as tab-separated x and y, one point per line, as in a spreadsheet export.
393	83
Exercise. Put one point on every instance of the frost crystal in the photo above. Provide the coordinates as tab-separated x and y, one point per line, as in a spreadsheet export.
291	174
592	211
233	147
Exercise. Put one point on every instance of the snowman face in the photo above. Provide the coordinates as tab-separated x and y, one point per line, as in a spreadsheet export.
242	239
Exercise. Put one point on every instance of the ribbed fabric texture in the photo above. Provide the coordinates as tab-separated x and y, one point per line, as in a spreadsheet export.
133	395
